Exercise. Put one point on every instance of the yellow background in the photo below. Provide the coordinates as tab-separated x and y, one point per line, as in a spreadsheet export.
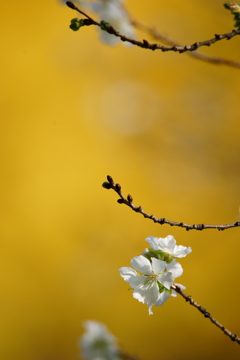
166	127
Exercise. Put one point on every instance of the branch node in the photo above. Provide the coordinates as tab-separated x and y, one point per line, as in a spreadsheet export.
195	46
154	47
234	337
206	314
145	43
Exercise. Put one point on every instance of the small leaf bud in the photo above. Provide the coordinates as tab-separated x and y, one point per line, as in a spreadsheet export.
104	25
110	179
120	201
76	24
70	5
118	187
130	198
106	185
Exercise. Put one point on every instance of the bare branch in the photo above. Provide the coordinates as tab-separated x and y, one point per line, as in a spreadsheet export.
129	202
146	45
156	34
206	314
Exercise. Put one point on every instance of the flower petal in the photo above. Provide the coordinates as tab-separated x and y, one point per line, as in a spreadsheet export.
162	298
127	272
141	264
167	244
138	296
175	268
153	241
147	295
158	265
181	251
137	282
166	279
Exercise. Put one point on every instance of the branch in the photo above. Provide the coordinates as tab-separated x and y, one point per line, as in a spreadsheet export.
129	202
156	34
145	44
124	356
206	314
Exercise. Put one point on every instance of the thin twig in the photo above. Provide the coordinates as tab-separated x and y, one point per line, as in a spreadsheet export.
206	314
156	34
124	356
129	202
146	45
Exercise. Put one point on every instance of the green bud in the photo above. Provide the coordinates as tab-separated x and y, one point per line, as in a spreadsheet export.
161	255
227	5
169	259
76	24
105	26
168	291
161	287
148	256
235	10
158	254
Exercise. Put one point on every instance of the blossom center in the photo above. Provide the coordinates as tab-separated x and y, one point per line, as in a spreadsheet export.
150	279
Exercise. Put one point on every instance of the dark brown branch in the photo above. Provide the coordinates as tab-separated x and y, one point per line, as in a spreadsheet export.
129	202
146	45
206	314
156	34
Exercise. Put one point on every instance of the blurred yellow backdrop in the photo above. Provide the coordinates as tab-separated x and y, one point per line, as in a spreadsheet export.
166	127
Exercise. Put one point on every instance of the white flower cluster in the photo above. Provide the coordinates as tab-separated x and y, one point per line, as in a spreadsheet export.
114	13
155	271
97	343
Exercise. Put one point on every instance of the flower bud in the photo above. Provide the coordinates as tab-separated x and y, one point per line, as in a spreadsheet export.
118	187
76	24
120	201
130	198
104	25
106	185
110	179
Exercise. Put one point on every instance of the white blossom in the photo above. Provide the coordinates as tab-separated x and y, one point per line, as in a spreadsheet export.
97	343
168	245
113	12
156	279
